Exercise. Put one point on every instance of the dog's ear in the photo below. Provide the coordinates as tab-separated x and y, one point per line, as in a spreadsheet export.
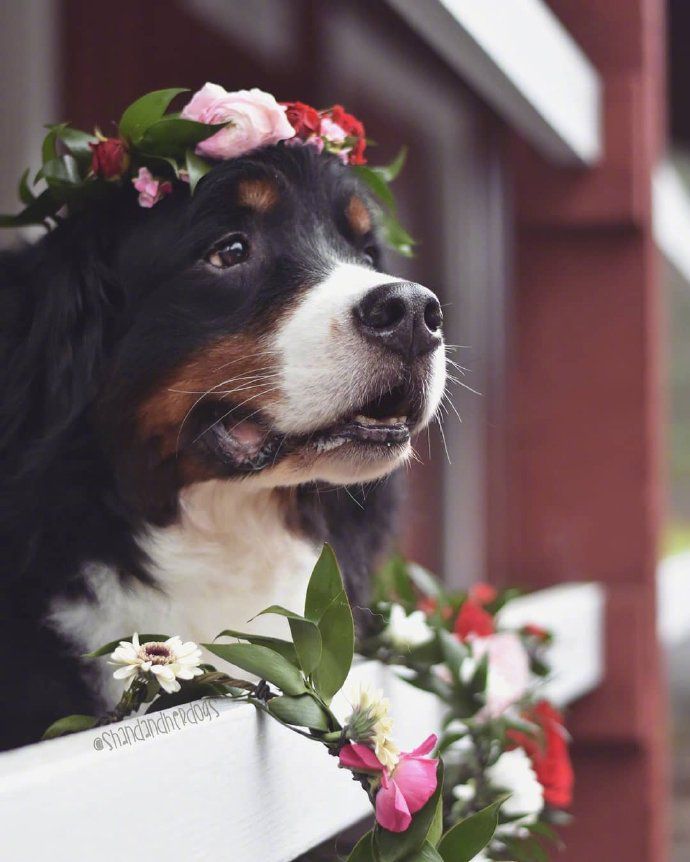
62	296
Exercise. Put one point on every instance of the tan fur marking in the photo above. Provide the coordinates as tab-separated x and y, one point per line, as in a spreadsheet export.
358	216
236	370
258	195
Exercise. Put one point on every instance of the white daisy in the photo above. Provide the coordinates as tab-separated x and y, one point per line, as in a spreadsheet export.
167	660
370	713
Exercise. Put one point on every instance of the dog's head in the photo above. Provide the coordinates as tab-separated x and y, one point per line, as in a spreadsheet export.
259	340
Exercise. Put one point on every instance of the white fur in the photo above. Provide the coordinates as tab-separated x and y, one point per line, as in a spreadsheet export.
327	368
229	556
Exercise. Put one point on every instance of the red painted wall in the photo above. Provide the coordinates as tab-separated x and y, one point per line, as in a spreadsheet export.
584	441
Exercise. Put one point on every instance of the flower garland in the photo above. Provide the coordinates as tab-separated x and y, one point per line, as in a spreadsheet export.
499	734
298	680
160	152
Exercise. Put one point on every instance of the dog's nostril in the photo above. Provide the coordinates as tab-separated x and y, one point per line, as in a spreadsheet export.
386	315
402	317
433	316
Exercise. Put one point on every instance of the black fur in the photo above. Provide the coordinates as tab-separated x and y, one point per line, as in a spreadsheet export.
91	317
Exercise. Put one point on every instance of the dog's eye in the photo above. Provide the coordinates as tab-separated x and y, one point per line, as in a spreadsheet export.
371	255
229	251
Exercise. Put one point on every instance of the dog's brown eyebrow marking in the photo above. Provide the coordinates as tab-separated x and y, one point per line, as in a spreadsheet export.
358	216
259	195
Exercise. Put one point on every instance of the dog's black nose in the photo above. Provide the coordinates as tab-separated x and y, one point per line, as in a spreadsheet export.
401	316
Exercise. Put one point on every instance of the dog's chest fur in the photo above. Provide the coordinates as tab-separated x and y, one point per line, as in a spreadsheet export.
229	556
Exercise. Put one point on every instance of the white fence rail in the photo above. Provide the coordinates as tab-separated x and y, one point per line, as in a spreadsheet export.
231	784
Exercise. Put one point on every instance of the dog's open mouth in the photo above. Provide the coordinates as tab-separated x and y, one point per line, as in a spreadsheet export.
247	440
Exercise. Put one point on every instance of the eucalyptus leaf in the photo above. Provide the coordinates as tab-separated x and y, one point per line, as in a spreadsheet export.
364	849
264	663
392	583
464	840
143	113
197	168
395	846
26	196
173	136
69	724
305	634
108	648
325	584
337	647
428	853
283	647
303	711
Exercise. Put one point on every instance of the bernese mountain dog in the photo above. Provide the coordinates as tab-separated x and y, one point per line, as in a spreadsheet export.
193	399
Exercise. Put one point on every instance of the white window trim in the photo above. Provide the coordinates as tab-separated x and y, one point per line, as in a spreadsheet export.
239	786
522	61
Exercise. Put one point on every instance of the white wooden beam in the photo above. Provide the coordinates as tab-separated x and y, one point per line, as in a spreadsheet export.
235	784
521	60
671	217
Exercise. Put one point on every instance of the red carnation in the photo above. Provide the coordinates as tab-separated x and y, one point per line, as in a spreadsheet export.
303	118
110	158
483	593
549	755
353	129
473	620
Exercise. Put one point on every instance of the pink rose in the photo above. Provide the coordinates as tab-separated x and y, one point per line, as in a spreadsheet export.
255	118
404	790
150	189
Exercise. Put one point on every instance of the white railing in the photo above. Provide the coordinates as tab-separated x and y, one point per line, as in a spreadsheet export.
236	785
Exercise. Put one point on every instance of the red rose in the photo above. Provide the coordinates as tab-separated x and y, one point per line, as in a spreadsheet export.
110	158
483	594
473	620
303	118
353	128
549	755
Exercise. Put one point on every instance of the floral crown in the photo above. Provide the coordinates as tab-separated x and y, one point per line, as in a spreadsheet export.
156	151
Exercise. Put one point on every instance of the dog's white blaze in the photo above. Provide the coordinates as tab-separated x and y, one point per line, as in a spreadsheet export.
229	555
325	364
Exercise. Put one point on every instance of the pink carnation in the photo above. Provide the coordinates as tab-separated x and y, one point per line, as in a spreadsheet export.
150	189
404	790
255	120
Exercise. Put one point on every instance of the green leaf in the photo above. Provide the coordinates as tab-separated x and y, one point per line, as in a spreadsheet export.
76	141
428	853
394	846
173	136
424	581
303	711
469	836
396	236
143	113
337	647
108	648
197	168
60	172
284	648
364	849
453	652
433	836
325	584
376	184
264	663
305	635
187	694
390	172
48	148
26	196
392	583
69	724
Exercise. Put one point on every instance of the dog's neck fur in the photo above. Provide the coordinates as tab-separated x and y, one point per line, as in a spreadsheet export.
229	555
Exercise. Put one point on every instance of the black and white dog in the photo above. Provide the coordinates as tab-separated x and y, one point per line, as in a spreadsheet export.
185	392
